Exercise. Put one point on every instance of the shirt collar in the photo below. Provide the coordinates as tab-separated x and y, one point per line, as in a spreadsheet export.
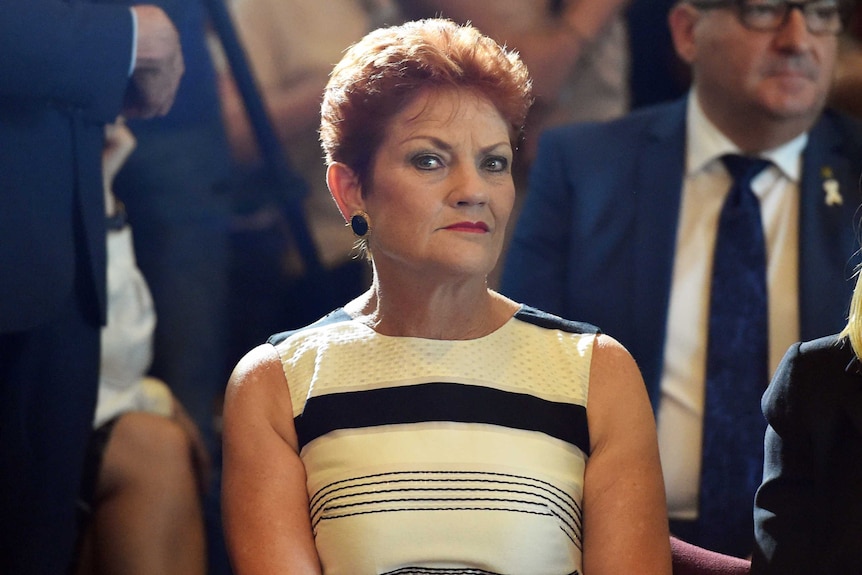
705	144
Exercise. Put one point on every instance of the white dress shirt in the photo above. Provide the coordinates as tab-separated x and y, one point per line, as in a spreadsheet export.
134	58
706	184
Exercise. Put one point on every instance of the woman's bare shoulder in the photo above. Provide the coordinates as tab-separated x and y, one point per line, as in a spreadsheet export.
617	395
257	393
257	379
259	362
612	361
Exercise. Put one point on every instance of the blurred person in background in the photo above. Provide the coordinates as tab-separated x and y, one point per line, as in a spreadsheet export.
290	47
577	52
621	227
67	69
140	503
808	510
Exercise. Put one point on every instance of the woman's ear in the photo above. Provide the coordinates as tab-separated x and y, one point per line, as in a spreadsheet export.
345	188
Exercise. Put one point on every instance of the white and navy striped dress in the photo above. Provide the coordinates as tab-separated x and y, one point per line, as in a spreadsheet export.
443	457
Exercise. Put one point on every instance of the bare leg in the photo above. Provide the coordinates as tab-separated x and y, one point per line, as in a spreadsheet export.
148	516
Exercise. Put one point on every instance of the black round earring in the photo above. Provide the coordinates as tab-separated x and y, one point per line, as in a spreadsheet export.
359	224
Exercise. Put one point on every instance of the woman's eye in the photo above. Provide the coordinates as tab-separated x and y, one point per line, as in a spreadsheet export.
497	164
427	162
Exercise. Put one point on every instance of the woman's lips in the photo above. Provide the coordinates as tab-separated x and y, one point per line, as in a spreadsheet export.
470	227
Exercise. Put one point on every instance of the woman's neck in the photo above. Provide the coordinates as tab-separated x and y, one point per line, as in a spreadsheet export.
455	311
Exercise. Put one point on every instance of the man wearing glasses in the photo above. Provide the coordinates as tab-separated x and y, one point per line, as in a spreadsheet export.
624	226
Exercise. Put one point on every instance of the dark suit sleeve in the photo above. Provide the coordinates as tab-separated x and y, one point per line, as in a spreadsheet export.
537	260
783	511
73	55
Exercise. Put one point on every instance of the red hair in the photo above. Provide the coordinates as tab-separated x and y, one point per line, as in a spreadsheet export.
381	75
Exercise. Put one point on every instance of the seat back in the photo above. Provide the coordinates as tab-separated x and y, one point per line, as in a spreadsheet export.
690	559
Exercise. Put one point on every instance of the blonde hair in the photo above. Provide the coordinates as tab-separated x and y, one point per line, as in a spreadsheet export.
853	329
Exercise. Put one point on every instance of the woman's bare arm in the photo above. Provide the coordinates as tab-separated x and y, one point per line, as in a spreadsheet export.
264	495
625	515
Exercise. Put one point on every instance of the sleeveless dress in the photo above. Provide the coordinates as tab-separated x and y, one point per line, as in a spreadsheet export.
443	457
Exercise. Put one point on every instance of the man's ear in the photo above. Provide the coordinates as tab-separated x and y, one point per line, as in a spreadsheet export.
345	188
682	19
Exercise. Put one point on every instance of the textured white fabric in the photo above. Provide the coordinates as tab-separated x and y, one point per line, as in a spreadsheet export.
127	346
459	496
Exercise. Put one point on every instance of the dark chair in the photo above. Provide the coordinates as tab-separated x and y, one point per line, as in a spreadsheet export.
690	559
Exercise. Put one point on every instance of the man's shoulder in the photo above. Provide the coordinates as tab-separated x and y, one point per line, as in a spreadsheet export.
619	137
836	127
638	120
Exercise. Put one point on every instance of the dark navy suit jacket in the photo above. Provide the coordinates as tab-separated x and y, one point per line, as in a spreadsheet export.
596	237
63	72
808	512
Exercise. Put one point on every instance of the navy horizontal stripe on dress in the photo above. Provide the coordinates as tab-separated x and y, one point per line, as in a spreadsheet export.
428	402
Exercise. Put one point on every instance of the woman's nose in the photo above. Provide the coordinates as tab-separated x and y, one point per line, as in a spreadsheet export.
469	187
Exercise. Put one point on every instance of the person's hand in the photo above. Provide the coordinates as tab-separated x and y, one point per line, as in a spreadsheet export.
158	65
119	143
200	455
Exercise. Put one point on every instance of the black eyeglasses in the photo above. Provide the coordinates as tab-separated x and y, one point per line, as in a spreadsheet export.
822	17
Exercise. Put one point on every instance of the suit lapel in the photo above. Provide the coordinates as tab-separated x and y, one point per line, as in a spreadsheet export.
659	189
826	231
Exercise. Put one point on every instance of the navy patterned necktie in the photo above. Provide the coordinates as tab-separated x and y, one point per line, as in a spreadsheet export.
737	368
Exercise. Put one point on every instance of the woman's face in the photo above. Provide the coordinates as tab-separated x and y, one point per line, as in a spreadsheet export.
441	186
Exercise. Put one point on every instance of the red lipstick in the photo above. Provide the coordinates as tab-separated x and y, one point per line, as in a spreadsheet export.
469	227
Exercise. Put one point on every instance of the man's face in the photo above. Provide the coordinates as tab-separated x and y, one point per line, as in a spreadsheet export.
781	75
